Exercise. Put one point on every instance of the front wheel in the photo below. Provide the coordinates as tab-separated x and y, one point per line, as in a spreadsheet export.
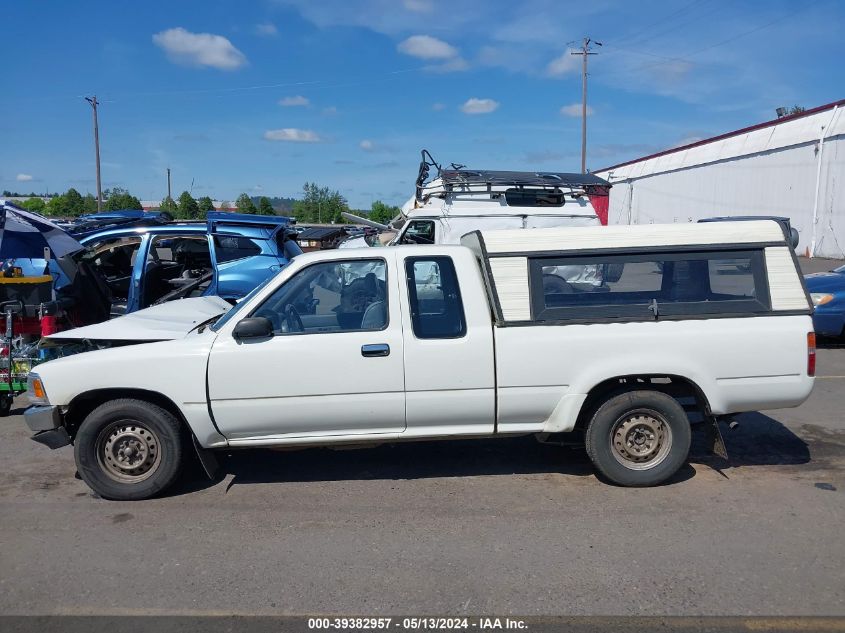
639	438
128	450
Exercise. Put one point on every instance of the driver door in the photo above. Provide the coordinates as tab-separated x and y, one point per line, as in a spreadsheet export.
334	365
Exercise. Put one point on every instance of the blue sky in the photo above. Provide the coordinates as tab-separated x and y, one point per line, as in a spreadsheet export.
262	96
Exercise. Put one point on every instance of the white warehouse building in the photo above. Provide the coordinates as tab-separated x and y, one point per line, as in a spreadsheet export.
793	166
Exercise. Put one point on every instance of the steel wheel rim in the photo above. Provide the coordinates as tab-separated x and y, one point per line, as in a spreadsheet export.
641	439
128	451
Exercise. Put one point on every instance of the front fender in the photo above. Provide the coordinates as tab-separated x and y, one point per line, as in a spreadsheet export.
174	369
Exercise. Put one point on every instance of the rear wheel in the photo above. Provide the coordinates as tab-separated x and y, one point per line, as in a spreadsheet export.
638	438
128	449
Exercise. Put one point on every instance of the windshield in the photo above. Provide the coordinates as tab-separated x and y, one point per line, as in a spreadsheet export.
841	269
235	309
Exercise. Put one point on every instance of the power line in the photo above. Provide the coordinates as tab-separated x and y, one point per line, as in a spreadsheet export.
686	57
644	33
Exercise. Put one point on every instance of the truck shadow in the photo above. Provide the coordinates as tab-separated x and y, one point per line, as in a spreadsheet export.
758	441
406	460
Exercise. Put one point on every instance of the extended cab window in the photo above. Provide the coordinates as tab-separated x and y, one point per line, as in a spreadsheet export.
335	296
649	286
419	232
230	247
436	307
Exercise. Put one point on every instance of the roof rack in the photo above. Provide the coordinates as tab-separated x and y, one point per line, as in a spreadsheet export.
460	176
520	178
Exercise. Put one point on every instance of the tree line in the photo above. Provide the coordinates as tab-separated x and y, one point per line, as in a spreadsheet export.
319	204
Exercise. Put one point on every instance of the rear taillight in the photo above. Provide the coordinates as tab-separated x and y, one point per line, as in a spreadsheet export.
811	353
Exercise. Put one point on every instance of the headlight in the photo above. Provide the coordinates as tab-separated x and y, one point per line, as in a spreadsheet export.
820	298
35	390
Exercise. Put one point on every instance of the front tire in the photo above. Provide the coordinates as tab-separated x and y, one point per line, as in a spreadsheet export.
639	438
128	450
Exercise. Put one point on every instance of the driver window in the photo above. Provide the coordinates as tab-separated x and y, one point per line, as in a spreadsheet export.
339	296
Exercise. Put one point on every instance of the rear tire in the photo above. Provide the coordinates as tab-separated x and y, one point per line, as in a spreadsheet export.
128	450
638	438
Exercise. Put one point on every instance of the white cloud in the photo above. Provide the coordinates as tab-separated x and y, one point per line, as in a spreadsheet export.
266	29
23	177
427	47
330	111
574	109
437	107
367	145
292	135
479	106
298	100
199	49
418	6
563	65
450	66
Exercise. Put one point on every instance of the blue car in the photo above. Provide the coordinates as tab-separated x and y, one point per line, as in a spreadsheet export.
827	291
91	223
228	255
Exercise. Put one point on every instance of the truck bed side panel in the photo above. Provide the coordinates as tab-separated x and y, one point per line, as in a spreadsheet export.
741	364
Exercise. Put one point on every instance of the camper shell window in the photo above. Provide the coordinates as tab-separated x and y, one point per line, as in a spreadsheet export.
649	286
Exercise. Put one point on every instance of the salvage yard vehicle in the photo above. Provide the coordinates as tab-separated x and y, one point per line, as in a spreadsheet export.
227	255
827	290
487	338
457	200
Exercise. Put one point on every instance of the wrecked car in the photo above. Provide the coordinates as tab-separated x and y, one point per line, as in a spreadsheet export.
228	255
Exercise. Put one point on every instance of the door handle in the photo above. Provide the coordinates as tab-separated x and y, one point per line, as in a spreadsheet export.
377	349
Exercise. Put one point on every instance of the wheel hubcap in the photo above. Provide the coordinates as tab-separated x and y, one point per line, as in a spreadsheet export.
128	451
640	440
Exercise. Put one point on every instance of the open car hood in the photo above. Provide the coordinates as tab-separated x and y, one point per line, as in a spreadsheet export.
163	322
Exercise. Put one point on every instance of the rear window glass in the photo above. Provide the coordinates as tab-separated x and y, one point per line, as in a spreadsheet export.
436	307
534	198
231	247
643	286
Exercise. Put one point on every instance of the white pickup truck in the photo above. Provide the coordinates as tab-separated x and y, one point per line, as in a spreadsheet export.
487	338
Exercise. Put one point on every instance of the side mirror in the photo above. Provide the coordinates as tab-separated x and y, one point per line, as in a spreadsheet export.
253	327
794	238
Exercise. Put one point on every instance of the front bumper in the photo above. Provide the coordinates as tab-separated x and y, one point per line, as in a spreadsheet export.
44	418
47	421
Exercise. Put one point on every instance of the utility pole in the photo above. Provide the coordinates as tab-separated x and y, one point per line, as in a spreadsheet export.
585	52
168	184
94	103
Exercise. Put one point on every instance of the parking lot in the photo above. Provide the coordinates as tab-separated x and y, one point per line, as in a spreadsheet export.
498	526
